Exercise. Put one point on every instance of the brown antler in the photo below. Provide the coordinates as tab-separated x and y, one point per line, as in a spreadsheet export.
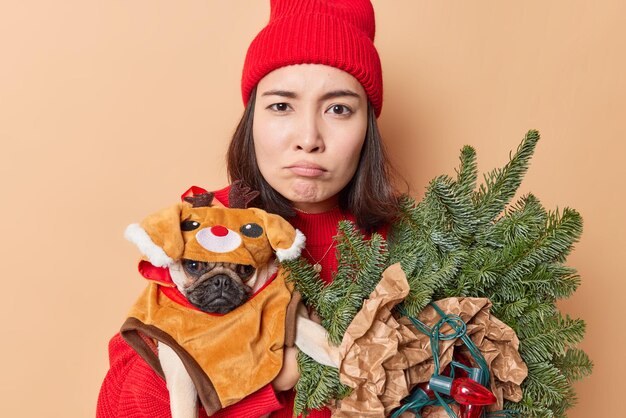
240	195
200	200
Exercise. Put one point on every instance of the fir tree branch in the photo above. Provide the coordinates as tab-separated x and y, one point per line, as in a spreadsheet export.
305	279
468	172
528	408
545	384
318	384
523	221
558	335
502	184
522	258
574	364
459	207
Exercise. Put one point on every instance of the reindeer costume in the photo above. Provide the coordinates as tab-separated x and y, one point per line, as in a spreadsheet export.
228	356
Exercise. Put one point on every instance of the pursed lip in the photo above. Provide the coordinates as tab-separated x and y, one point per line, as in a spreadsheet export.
306	169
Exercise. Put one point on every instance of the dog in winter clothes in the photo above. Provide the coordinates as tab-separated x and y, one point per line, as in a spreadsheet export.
216	315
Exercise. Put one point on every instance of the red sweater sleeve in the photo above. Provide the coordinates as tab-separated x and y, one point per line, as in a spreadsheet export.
261	402
132	389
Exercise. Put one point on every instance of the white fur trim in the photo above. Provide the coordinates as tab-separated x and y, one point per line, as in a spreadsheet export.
138	236
293	251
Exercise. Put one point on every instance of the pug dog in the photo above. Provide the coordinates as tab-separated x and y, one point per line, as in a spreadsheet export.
212	267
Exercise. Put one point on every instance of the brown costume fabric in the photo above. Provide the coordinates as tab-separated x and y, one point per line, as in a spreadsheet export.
384	356
227	356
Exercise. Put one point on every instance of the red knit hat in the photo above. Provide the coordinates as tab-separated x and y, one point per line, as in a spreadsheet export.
337	33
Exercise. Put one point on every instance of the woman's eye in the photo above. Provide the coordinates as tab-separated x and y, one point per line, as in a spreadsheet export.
279	107
339	110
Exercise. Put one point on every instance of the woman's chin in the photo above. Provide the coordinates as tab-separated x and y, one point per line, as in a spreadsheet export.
315	205
309	195
304	191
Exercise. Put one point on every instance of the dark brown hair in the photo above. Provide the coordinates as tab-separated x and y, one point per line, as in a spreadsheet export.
369	196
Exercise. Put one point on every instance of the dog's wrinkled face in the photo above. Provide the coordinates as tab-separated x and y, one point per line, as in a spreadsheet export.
217	287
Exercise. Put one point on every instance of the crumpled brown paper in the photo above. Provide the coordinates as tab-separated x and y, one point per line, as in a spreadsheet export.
384	356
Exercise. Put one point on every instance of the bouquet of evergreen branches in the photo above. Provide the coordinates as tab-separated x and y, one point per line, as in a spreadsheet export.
464	241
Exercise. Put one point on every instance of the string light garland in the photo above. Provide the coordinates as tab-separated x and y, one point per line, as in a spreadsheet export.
464	391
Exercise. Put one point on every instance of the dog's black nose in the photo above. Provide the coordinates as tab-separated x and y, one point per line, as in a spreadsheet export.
221	282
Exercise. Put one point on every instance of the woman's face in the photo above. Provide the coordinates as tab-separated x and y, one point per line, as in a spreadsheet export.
309	127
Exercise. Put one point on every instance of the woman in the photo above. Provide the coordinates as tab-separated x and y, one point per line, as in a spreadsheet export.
309	143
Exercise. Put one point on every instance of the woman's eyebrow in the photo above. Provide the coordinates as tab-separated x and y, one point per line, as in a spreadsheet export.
339	93
330	95
282	93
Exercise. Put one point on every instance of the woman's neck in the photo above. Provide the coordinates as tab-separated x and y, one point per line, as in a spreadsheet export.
315	207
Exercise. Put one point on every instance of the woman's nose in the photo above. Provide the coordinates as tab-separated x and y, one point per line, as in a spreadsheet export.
309	137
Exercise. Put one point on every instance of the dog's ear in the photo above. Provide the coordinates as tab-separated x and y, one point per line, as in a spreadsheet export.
286	241
159	236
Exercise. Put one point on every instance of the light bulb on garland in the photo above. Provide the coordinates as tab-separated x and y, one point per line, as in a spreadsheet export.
463	390
464	368
471	410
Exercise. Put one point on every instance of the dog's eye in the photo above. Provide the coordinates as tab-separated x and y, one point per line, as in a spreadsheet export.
251	230
191	266
189	225
244	271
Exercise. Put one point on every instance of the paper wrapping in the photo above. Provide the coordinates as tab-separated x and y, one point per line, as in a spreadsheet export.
384	356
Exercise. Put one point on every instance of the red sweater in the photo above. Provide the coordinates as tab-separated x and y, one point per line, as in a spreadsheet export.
132	389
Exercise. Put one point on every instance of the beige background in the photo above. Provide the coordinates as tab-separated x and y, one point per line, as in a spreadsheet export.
110	109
